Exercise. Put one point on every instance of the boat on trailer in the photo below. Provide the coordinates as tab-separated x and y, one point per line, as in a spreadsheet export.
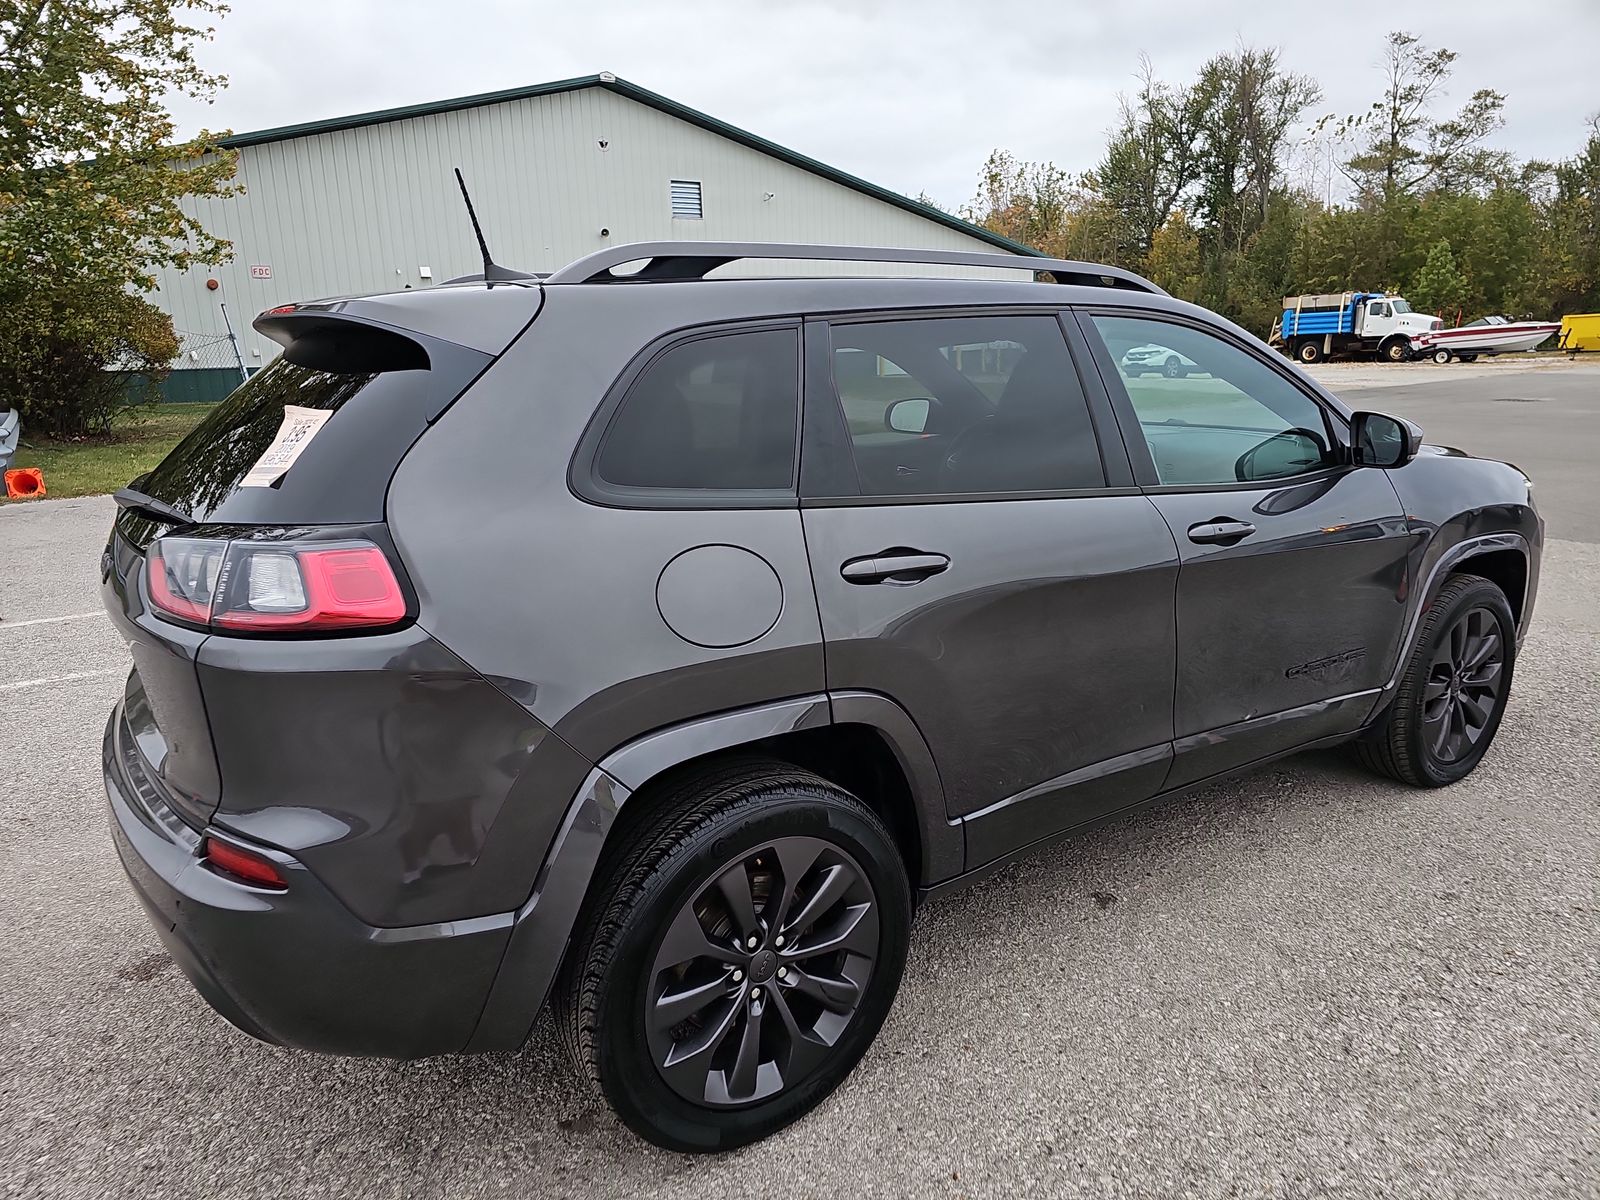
1487	335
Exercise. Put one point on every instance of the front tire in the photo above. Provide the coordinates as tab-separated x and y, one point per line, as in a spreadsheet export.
1395	350
1454	690
672	1001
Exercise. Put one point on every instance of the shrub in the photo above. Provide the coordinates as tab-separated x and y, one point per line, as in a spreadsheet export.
73	358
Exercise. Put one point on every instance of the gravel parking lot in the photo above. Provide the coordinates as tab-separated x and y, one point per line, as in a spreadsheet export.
1303	982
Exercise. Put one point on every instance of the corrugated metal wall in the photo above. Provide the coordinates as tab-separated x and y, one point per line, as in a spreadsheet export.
367	209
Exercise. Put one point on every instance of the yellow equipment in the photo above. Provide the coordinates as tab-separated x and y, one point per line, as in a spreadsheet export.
1580	331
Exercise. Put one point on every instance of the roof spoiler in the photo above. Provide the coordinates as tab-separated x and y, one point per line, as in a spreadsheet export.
694	260
340	342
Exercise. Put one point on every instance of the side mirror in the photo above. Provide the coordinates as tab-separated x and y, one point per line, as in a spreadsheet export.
1377	440
909	415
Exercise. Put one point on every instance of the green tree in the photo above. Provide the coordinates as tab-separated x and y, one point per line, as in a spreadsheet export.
1439	287
1150	163
1403	149
1569	258
91	184
1173	263
1248	106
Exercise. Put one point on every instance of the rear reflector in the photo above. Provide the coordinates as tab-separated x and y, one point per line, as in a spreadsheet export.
242	865
272	586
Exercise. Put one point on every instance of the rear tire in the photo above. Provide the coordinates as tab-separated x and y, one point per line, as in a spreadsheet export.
1442	357
1454	689
1309	352
670	1001
1173	369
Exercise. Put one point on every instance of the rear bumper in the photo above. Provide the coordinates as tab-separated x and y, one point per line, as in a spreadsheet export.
296	967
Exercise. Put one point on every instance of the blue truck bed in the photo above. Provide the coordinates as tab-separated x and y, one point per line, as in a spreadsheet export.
1318	315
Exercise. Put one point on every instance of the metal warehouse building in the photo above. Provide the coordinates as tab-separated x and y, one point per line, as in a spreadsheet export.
557	170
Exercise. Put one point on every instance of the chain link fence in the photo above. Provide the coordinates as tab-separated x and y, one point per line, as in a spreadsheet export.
207	369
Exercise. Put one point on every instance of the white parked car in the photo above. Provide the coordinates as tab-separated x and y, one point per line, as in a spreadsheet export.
1158	360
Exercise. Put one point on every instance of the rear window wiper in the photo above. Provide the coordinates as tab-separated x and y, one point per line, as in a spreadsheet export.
151	507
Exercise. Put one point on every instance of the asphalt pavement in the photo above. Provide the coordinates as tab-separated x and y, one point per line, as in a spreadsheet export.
1304	982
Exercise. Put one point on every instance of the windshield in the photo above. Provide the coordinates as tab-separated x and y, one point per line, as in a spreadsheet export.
1400	306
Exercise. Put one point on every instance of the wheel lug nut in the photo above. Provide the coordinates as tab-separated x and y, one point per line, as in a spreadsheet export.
751	942
755	993
738	976
783	972
778	941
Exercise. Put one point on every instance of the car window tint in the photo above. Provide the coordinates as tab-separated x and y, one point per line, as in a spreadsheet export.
713	413
1210	412
964	404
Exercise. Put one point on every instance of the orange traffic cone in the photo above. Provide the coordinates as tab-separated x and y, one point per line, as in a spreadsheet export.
25	483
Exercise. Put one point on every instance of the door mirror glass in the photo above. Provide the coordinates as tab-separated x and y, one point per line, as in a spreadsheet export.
1292	452
1383	441
909	415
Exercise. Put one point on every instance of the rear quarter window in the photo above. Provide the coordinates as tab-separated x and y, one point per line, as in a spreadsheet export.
716	415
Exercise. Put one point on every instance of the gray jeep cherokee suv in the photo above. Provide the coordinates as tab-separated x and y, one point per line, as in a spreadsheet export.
649	643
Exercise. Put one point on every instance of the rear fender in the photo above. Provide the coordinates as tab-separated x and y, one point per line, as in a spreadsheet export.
545	925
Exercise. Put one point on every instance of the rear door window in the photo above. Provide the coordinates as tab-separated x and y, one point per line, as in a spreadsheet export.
962	405
718	413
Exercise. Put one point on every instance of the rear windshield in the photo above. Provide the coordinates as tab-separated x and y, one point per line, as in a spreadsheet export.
206	467
342	474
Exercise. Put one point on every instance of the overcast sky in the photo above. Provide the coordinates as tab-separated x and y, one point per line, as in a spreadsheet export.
910	94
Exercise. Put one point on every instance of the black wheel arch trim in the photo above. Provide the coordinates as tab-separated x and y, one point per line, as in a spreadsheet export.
1453	556
544	924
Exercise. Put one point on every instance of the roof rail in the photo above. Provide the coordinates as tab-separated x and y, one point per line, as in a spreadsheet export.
694	260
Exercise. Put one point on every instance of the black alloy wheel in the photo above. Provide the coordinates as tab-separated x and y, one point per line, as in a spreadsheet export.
1453	691
741	953
761	971
1463	689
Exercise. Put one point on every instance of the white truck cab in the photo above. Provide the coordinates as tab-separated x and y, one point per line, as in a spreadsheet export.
1391	314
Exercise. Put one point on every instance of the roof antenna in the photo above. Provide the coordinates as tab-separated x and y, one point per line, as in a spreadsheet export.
493	272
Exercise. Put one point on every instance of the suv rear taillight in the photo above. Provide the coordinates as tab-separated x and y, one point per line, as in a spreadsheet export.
246	585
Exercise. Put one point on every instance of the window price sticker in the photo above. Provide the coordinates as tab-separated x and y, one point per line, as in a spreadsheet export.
299	426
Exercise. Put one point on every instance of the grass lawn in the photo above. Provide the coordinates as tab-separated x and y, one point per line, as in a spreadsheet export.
95	466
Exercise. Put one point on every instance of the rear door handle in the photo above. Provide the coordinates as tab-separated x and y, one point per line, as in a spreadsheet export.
1220	531
894	567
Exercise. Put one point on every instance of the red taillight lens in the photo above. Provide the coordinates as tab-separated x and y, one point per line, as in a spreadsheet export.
254	869
184	573
278	587
349	587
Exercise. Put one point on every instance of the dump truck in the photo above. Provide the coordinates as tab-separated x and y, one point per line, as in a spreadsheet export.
1313	328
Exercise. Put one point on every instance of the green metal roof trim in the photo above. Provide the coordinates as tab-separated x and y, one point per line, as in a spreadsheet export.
643	96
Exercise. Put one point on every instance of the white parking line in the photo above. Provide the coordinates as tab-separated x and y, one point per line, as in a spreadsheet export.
76	675
5	625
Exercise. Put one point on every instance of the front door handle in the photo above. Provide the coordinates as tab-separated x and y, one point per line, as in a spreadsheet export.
1220	531
894	567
